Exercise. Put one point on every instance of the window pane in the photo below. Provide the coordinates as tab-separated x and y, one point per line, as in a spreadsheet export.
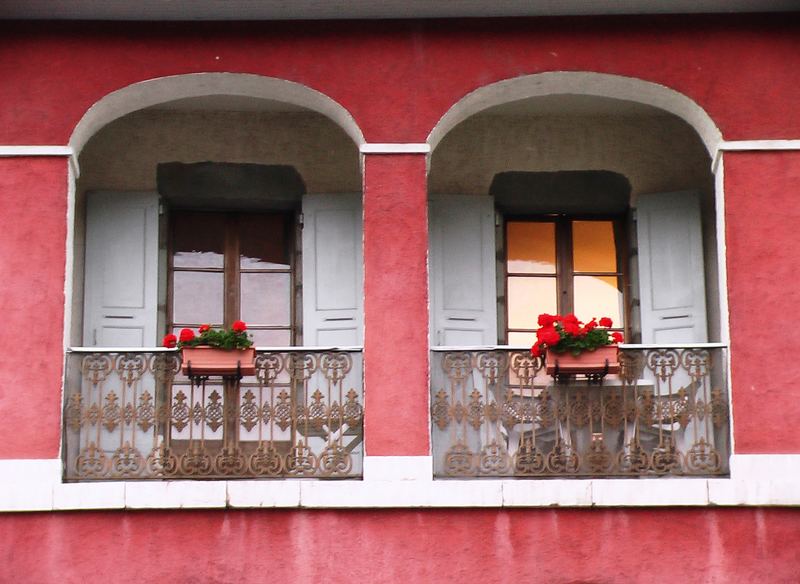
593	247
197	297
198	240
528	298
263	241
521	339
531	247
271	338
598	296
266	298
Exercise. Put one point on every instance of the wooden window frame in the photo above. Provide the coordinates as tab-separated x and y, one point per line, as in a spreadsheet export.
565	272
232	270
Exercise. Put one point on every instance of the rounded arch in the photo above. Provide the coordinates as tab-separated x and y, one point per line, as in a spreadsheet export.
163	89
580	83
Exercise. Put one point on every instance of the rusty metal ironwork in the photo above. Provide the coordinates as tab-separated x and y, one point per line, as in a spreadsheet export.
495	412
133	415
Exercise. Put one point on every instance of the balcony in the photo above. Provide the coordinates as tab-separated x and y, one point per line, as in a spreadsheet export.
495	413
131	414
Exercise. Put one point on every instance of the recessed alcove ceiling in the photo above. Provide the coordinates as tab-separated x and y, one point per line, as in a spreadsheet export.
229	103
573	105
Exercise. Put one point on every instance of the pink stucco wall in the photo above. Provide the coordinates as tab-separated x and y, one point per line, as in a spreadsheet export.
33	212
718	546
763	214
398	78
395	305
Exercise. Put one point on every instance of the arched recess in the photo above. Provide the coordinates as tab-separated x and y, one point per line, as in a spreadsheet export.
572	192
580	83
469	148
164	89
125	123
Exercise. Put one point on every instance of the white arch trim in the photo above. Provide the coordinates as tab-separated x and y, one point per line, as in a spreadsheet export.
580	83
163	89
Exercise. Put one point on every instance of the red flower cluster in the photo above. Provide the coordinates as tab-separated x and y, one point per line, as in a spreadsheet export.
567	333
236	338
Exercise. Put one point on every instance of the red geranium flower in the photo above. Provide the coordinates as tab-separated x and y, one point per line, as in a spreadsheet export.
204	328
546	319
606	322
170	341
572	328
186	335
239	326
617	337
536	351
548	336
571	319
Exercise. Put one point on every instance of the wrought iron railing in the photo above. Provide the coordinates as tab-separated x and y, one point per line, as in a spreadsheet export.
496	413
131	414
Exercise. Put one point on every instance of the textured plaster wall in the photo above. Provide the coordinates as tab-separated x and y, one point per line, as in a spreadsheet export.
610	546
762	218
124	154
655	153
396	386
33	210
397	79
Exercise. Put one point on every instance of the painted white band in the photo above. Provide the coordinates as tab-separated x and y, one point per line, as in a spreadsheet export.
422	148
734	145
403	482
22	151
398	148
751	146
6	151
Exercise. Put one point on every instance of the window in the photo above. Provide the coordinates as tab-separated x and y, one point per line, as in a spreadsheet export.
562	264
145	276
230	266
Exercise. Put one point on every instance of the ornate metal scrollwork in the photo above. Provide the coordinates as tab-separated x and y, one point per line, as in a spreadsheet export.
335	461
301	415
663	363
459	461
266	461
335	366
492	366
494	460
96	367
634	425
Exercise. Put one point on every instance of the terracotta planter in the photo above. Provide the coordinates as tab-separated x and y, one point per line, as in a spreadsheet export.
586	363
213	361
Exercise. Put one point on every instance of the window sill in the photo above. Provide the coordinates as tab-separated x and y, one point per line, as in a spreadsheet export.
402	482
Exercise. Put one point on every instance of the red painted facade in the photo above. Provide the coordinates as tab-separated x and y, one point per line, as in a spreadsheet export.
33	207
397	79
613	546
396	301
762	217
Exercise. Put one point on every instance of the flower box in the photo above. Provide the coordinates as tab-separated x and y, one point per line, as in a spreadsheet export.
204	360
585	363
